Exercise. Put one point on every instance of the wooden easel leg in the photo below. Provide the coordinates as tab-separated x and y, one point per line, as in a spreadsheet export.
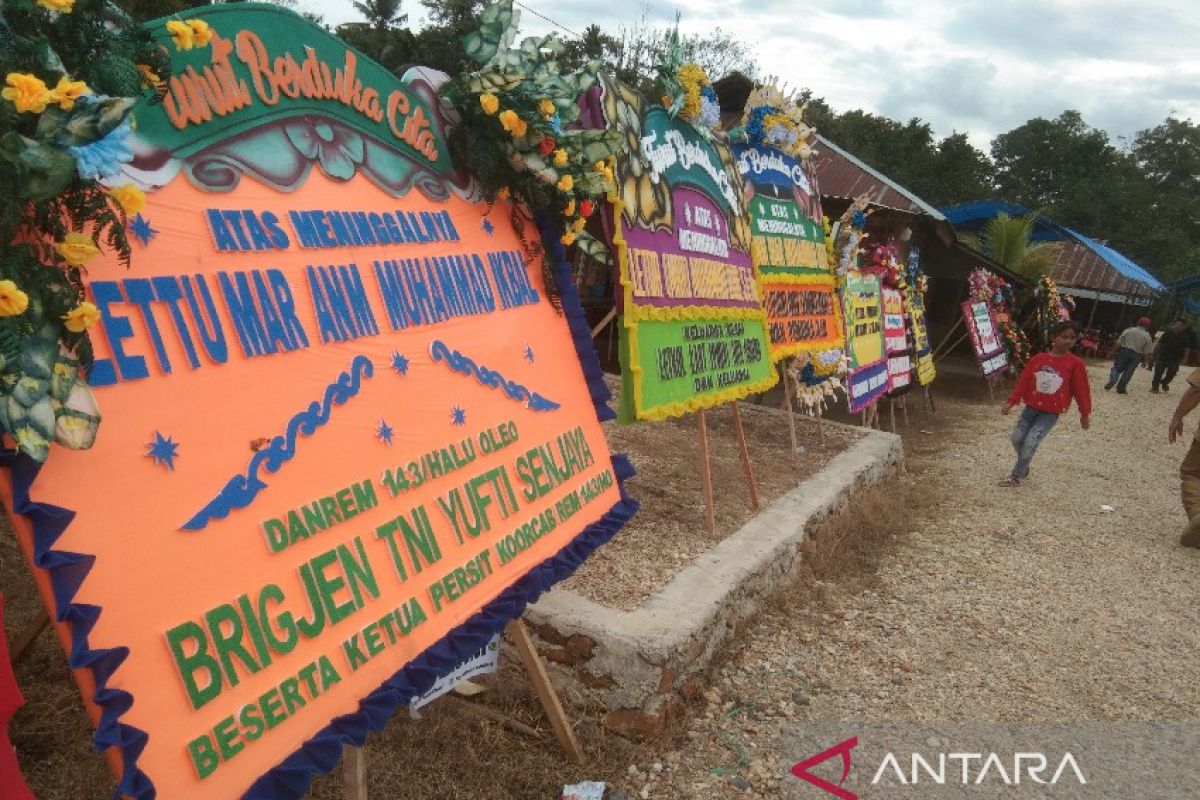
892	411
25	639
929	399
747	467
545	690
706	476
904	408
354	772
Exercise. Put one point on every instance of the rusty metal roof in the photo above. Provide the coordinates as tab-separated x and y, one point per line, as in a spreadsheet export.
1079	266
840	174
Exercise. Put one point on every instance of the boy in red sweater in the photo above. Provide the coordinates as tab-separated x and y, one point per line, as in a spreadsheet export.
1046	386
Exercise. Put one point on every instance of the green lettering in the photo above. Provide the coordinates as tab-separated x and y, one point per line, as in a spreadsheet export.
204	755
188	666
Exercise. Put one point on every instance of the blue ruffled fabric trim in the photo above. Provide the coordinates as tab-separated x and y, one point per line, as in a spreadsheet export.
67	571
320	754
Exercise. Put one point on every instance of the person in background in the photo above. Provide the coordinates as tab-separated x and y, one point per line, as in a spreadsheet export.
1171	351
1189	470
1130	345
1047	385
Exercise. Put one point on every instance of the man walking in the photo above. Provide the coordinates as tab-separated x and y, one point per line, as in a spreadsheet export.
1130	346
1189	471
1172	349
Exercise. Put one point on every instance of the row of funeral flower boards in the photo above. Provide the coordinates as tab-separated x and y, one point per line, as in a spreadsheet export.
347	436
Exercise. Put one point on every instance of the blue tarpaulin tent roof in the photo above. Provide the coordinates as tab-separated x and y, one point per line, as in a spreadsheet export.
973	216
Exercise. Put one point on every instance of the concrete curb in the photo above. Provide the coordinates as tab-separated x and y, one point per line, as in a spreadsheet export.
639	661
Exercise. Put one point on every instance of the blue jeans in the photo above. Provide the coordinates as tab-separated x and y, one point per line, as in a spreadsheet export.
1124	365
1032	427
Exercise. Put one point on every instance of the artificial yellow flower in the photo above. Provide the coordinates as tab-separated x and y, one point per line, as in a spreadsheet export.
67	92
546	107
76	249
508	120
560	157
600	166
201	33
131	198
61	6
149	76
27	92
520	128
181	32
81	317
12	300
579	224
489	102
568	237
566	183
570	209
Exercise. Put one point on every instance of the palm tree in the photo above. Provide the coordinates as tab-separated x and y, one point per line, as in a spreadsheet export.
381	14
1009	241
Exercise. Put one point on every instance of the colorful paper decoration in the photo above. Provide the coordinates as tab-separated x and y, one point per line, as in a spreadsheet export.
375	478
868	378
990	353
693	327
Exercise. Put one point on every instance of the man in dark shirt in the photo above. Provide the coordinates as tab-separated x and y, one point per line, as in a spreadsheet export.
1171	350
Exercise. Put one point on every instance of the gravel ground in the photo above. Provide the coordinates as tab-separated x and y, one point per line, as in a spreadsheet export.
1004	604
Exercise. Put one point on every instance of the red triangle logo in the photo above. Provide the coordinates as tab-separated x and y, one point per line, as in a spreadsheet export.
801	770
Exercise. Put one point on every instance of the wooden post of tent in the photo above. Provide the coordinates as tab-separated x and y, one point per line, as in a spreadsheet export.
354	772
787	396
545	690
706	476
747	467
25	639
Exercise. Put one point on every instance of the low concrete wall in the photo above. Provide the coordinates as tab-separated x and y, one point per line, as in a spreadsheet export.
640	663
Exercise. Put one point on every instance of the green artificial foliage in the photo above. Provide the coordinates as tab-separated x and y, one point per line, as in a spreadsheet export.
519	136
51	161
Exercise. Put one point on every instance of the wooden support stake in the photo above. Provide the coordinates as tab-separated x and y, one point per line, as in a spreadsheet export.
25	639
493	715
787	396
545	690
949	333
747	467
904	408
354	772
929	399
892	411
706	476
609	317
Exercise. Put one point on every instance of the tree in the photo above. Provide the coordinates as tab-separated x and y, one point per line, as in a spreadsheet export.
593	44
1040	164
1168	158
381	15
1009	241
961	172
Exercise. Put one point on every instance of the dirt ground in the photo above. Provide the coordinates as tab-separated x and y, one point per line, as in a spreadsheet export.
670	530
939	596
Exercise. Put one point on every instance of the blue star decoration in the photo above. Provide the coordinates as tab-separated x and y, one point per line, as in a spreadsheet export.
487	226
384	432
141	230
458	416
162	450
399	363
528	353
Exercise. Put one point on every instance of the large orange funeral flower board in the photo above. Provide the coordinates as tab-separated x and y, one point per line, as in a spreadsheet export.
346	436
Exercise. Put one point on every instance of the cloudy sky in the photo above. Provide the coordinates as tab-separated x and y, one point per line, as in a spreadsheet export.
979	66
